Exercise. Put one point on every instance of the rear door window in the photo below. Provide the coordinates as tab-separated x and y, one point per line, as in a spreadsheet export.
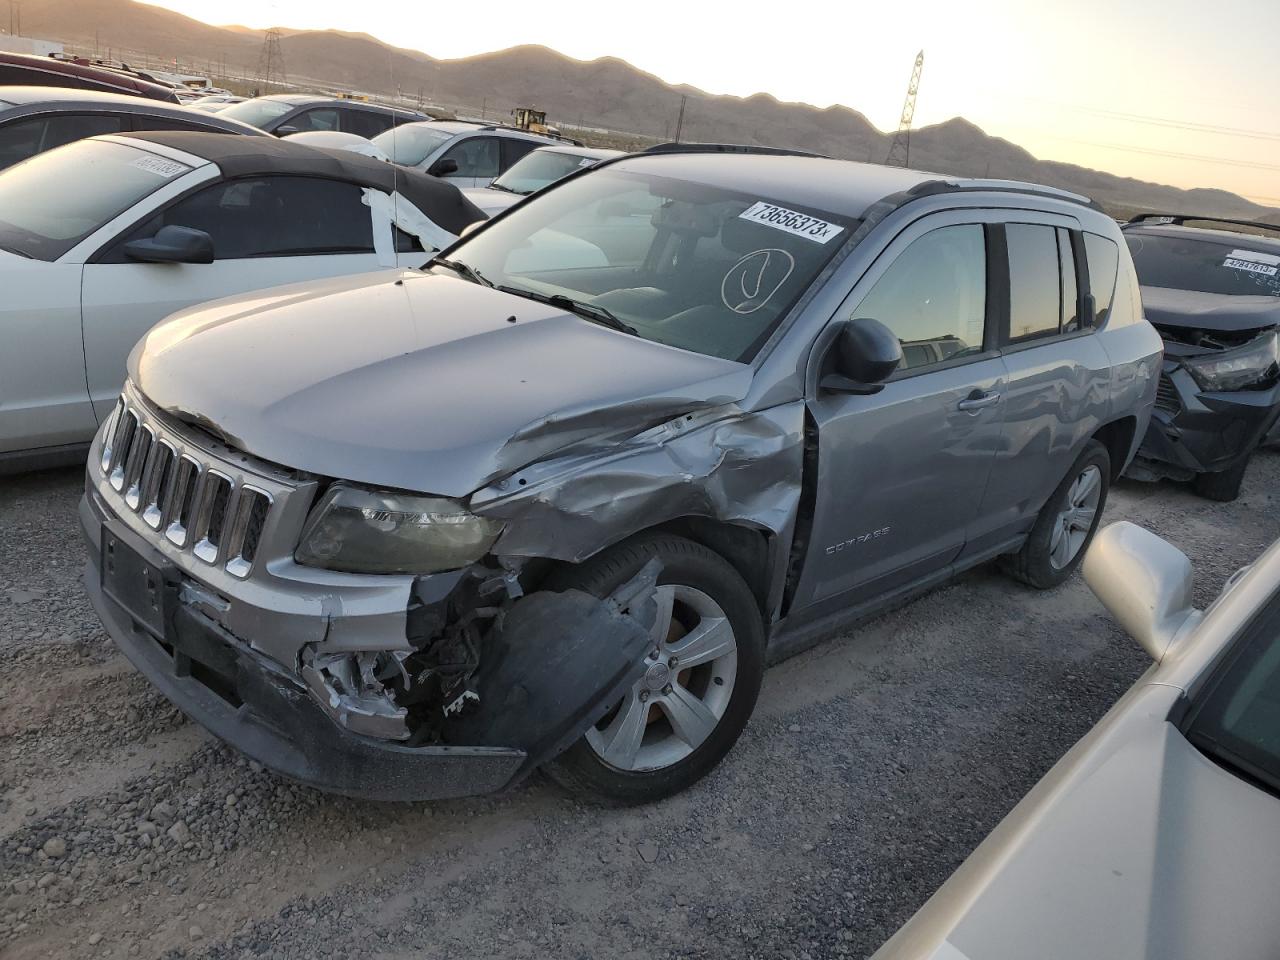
365	123
26	138
1104	260
513	149
1035	282
1070	283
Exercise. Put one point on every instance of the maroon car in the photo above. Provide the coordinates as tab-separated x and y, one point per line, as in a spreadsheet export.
20	69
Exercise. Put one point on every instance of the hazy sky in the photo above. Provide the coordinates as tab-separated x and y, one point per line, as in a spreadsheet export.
1176	91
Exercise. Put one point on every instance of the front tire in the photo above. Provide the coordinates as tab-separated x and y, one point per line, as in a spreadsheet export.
1066	524
704	674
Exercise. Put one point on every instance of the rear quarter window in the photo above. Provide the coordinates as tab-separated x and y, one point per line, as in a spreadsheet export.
1104	261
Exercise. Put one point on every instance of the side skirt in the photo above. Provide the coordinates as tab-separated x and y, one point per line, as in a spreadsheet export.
786	641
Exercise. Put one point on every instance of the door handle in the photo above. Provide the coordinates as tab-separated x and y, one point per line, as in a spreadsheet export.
976	401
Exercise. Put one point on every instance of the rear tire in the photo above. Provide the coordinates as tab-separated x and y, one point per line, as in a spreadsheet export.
1224	486
1066	524
703	579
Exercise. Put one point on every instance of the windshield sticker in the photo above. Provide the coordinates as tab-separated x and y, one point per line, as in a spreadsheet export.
800	224
1235	263
753	280
1253	256
160	166
586	161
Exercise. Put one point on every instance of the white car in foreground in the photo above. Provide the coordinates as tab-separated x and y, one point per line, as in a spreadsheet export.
1158	835
102	238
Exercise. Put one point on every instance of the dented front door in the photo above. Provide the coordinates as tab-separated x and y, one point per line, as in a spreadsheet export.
901	473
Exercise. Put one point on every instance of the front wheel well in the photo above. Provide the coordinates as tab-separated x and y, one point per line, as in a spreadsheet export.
746	549
1117	437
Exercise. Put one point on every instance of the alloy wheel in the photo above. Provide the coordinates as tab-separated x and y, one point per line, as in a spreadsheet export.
1072	526
684	692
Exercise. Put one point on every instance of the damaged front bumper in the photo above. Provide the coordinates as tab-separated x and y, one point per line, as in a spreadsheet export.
1194	431
557	663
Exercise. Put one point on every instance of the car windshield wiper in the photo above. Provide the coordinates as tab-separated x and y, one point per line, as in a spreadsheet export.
495	185
588	311
16	252
464	270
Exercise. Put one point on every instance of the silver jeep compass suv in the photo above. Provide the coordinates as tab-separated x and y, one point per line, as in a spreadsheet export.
556	498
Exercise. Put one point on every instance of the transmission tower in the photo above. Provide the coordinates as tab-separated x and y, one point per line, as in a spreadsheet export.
271	61
900	149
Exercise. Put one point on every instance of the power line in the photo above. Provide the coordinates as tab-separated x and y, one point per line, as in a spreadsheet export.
1250	164
1170	123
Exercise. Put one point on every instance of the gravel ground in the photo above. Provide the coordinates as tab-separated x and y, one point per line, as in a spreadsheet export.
873	766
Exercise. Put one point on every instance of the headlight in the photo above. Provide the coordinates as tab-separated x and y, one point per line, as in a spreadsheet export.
1237	369
380	531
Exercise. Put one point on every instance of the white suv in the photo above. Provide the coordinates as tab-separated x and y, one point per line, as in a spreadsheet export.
465	152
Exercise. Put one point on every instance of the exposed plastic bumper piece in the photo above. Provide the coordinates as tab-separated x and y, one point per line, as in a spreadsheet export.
562	660
1208	432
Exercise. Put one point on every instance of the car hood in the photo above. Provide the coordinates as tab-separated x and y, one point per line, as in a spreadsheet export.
416	381
491	201
1146	849
1191	309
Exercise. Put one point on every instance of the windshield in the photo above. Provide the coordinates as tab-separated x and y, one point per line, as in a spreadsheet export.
1184	263
539	168
257	113
51	202
686	264
1237	721
409	144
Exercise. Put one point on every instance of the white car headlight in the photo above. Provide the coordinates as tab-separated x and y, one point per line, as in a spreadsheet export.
381	531
1236	369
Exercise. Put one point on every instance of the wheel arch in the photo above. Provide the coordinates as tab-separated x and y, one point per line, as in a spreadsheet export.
750	550
1117	436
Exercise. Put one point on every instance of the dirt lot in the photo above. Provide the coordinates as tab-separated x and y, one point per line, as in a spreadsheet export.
873	766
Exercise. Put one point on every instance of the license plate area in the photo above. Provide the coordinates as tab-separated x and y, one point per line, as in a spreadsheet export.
144	584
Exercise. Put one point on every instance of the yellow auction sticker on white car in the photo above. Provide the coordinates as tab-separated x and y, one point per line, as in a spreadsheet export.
800	224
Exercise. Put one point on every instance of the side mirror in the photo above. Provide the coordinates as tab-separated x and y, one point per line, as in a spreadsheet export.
864	355
1145	582
172	245
284	131
443	167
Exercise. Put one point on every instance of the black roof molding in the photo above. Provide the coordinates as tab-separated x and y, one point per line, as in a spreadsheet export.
729	148
1180	219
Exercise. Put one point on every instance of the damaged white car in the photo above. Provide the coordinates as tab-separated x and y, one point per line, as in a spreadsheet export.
102	238
555	499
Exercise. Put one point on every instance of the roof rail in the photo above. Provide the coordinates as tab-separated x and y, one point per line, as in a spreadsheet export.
1180	219
535	133
729	148
930	187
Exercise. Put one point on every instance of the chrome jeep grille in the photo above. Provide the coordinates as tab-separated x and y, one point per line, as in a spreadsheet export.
195	502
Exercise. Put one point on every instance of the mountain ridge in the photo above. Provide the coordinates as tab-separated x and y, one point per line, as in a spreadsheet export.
603	93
